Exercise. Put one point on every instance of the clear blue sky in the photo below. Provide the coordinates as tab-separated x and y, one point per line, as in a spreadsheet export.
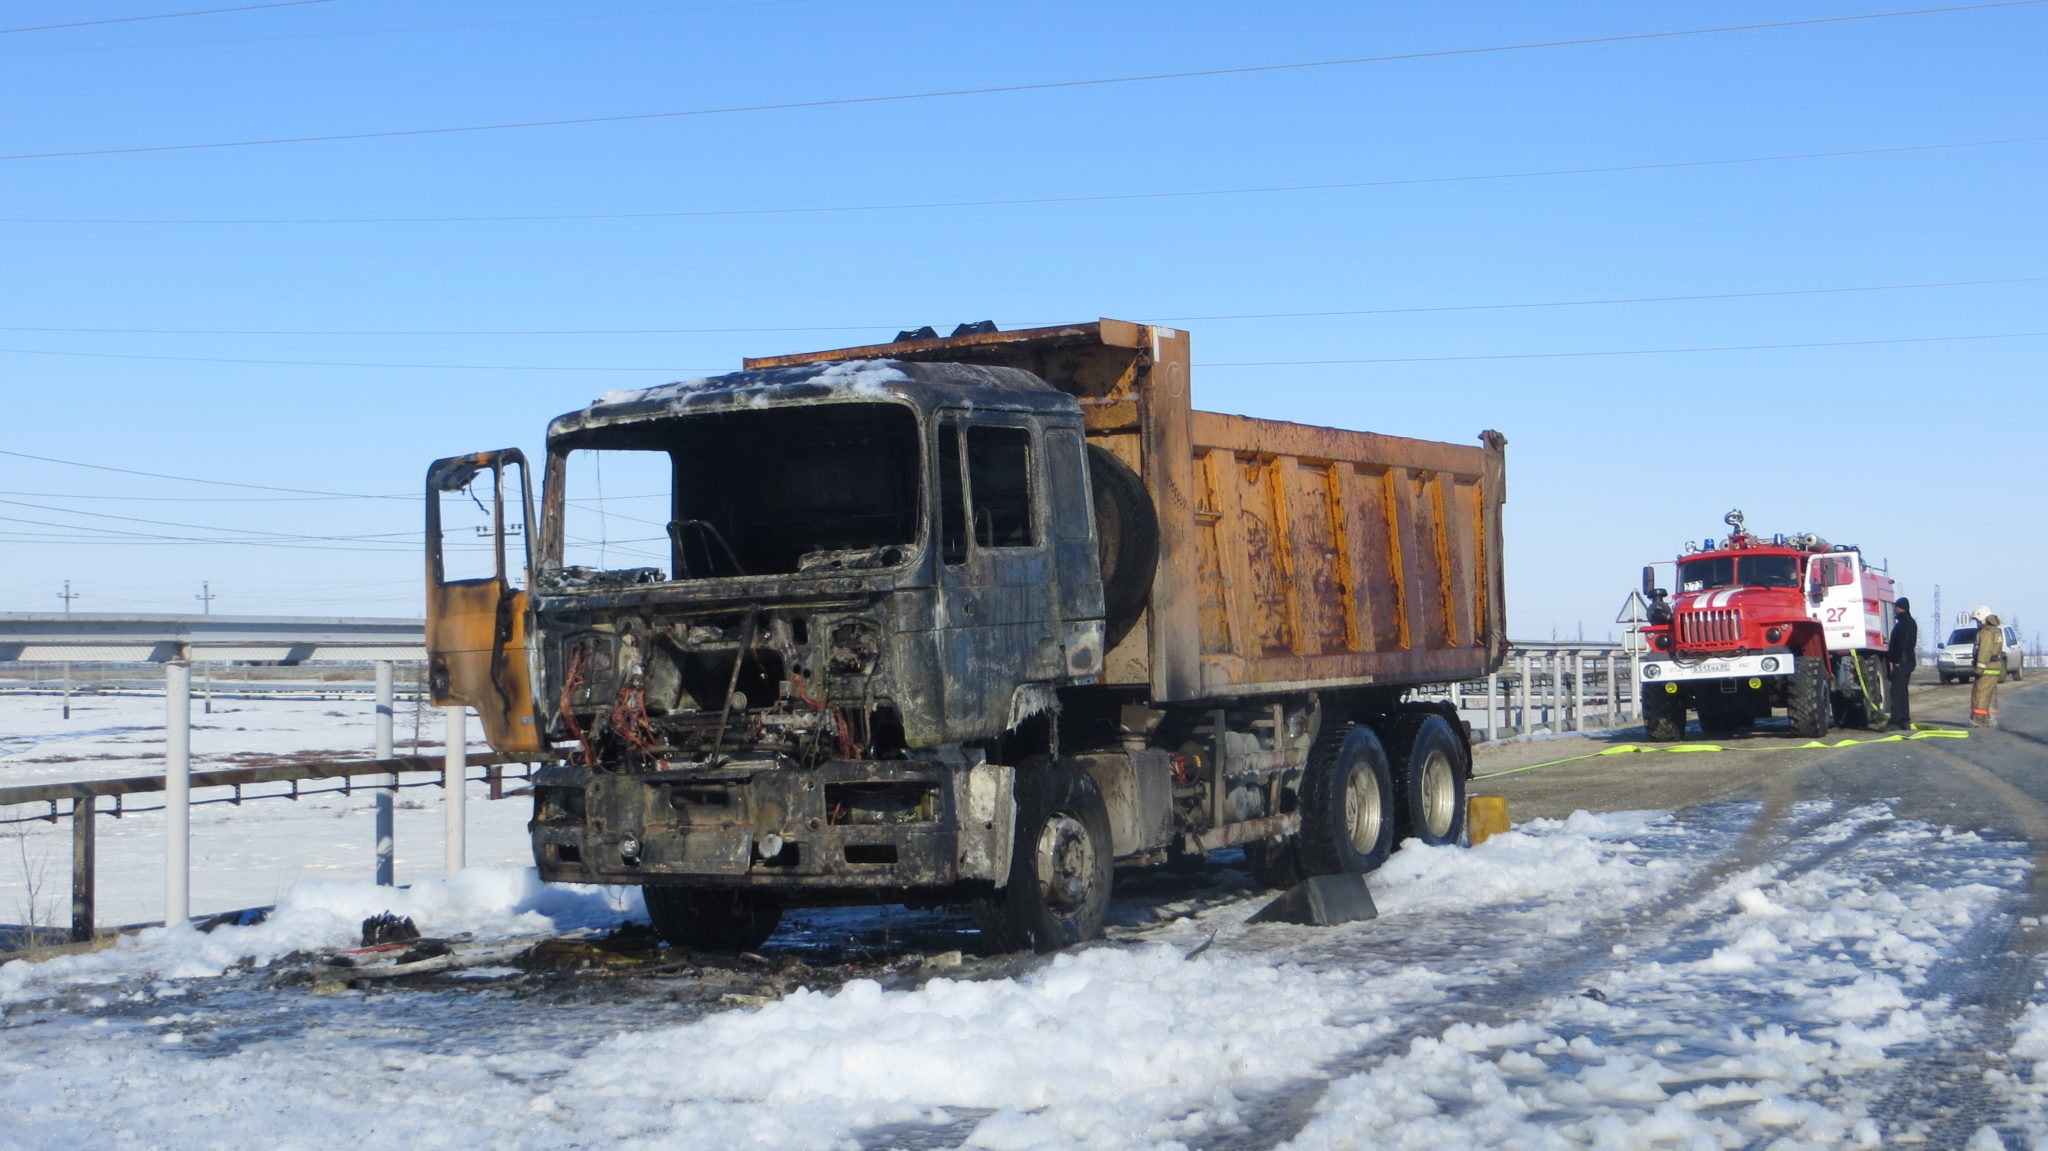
1853	184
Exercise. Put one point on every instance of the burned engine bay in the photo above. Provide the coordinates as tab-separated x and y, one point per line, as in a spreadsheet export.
798	685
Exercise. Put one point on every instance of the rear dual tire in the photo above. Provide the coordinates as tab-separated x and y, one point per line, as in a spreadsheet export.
1431	769
1347	805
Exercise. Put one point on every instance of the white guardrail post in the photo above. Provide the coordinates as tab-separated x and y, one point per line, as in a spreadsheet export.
453	765
1580	697
386	785
1524	669
177	791
1492	714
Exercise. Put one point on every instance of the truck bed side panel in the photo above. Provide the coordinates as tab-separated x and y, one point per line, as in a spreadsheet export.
1326	557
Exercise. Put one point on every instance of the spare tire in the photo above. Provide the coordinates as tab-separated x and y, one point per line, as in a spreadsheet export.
1127	539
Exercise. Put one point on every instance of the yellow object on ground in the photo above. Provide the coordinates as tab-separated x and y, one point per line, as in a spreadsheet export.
1486	816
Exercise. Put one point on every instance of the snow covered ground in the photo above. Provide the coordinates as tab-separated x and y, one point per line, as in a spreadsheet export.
1812	979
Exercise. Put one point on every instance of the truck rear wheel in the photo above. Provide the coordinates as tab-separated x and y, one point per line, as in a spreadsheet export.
1061	866
1347	805
1127	541
1431	766
1663	714
1870	708
1810	705
711	920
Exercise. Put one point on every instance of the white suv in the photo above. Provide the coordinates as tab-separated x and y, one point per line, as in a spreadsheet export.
1957	659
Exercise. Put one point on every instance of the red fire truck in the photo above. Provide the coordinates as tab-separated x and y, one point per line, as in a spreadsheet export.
1753	625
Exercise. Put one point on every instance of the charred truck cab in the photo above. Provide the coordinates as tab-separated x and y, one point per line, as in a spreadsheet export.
964	619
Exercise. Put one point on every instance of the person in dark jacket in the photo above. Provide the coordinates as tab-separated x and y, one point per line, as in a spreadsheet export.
1900	659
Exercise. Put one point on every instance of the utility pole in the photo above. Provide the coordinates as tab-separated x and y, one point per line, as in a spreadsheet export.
67	595
1940	624
205	598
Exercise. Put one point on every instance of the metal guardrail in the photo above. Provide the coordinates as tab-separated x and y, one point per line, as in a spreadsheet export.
1559	687
88	637
83	799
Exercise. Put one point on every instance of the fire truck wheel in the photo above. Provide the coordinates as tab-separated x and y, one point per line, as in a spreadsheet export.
1431	766
1663	715
1811	704
711	920
1871	710
1060	864
1127	541
1347	804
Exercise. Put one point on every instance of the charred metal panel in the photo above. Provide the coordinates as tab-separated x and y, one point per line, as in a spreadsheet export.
1137	787
988	821
845	825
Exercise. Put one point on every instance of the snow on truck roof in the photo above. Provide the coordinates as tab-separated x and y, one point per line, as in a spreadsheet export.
925	385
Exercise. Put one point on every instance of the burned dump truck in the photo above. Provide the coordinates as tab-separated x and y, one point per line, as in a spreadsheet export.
970	619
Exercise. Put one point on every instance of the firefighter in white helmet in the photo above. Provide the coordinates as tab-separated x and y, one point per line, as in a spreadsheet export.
1990	661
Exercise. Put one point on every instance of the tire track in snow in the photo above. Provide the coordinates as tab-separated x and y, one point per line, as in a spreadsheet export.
1950	1089
1682	914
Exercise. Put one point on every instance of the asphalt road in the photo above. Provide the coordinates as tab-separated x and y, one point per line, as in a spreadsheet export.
1995	781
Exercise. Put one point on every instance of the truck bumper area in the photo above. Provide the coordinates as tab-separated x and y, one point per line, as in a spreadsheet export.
1664	669
853	826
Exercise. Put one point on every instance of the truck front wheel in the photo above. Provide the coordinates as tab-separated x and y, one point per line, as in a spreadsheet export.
1810	705
1663	714
711	920
1061	866
1347	805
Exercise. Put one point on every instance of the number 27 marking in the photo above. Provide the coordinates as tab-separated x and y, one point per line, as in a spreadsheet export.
1835	614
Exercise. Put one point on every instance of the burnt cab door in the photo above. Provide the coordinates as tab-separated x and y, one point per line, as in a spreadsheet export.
479	623
998	617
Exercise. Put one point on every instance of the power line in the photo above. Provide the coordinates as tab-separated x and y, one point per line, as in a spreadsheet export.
1023	201
348	364
1628	351
202	527
1604	301
133	537
187	499
1039	86
162	16
362	32
1766	293
196	480
1246	364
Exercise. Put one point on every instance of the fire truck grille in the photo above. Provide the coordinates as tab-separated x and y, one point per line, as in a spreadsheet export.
1712	628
